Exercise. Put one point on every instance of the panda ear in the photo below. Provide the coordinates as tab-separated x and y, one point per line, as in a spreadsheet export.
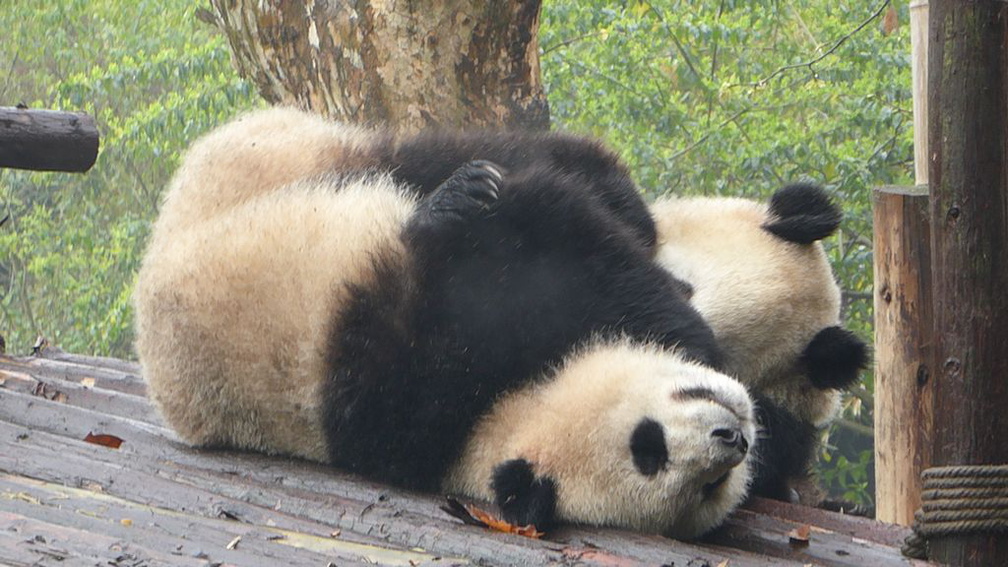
803	213
522	498
834	358
647	445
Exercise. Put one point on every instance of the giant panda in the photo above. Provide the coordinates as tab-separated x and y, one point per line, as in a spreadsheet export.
293	300
760	278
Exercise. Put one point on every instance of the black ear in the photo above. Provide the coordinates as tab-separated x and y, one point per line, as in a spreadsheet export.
522	498
834	357
647	444
803	213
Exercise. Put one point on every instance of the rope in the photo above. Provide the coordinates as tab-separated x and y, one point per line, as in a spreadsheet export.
959	500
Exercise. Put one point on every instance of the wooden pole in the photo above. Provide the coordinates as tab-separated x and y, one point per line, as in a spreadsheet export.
903	385
47	140
903	388
919	56
968	178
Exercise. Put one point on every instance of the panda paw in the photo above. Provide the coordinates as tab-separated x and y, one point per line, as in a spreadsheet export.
471	188
522	498
834	358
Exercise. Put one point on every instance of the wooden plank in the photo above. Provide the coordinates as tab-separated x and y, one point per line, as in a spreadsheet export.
303	490
125	378
320	494
47	140
856	527
968	177
904	389
34	506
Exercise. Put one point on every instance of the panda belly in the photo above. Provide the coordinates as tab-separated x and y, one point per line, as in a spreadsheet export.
234	316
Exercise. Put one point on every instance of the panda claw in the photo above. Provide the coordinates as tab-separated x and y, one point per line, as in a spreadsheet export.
471	188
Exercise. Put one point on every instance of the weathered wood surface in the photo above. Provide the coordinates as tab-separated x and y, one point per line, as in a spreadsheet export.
968	179
904	388
47	140
154	501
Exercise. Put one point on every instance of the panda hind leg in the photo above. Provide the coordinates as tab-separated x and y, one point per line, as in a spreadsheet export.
471	188
523	498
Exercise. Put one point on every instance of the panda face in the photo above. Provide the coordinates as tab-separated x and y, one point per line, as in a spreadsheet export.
623	435
689	451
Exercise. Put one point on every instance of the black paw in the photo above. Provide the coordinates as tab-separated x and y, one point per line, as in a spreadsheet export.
522	498
834	358
471	188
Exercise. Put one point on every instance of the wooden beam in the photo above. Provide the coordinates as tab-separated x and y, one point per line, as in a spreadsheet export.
903	385
47	140
968	178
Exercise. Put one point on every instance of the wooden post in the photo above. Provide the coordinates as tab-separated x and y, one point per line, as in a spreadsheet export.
918	53
903	385
903	389
47	140
968	177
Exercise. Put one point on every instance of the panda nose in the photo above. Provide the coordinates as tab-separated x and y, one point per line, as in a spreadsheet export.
732	438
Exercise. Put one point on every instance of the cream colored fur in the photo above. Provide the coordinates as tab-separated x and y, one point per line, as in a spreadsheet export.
576	428
258	152
765	298
243	273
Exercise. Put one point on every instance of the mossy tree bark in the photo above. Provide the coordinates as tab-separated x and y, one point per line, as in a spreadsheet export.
404	62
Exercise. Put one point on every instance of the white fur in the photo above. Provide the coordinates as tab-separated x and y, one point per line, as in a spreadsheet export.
765	298
576	428
246	265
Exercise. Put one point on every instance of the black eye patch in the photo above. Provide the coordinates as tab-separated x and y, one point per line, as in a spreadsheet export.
647	445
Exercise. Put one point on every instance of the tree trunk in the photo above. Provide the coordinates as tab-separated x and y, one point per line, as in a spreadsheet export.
410	63
968	134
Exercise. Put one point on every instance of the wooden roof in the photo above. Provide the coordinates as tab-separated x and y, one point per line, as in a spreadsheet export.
154	501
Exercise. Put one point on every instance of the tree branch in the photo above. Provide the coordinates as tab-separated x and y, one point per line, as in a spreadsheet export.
762	82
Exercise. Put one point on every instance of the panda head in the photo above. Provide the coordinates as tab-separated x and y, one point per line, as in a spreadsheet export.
622	435
760	278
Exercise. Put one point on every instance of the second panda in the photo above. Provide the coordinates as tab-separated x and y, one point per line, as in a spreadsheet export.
344	319
759	276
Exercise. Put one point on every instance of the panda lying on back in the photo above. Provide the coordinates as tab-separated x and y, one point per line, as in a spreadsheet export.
348	319
760	278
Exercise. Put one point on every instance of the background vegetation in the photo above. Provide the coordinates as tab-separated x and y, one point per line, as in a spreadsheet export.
720	97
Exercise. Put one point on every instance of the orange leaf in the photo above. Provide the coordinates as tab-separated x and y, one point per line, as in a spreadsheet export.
890	22
799	536
474	516
110	441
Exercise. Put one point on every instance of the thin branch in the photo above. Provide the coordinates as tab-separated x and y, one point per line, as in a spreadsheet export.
762	82
571	41
704	138
854	427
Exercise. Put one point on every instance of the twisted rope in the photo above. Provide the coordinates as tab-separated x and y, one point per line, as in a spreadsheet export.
959	500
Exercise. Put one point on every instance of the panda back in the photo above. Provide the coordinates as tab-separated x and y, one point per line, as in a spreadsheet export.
233	314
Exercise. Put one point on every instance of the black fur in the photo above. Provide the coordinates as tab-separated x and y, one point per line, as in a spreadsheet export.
647	445
491	294
523	498
783	451
803	213
425	160
834	358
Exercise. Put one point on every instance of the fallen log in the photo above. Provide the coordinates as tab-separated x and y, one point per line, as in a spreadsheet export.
47	140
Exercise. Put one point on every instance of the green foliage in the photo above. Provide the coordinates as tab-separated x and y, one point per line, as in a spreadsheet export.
718	97
153	77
